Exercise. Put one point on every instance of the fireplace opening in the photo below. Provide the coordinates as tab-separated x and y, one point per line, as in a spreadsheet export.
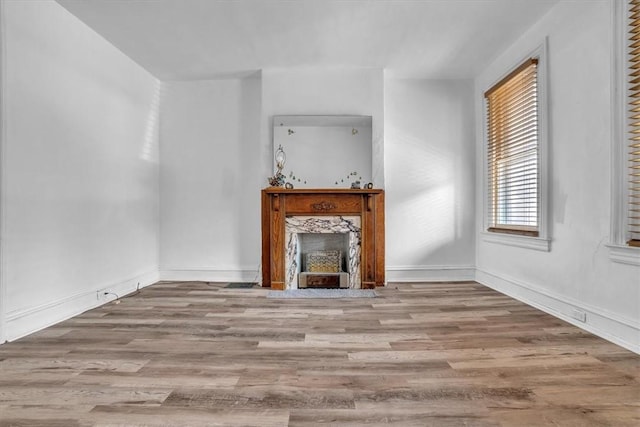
322	233
323	260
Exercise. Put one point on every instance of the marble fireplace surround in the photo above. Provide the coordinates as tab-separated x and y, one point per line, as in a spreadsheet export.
294	225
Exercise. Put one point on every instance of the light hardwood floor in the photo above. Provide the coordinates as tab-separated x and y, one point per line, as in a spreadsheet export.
199	354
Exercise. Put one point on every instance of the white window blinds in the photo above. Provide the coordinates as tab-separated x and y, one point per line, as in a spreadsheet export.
512	152
634	122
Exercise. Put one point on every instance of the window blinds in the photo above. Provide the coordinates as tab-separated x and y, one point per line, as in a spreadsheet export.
634	122
512	151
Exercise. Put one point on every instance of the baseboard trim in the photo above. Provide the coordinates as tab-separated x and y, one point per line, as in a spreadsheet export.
607	325
430	273
211	275
23	322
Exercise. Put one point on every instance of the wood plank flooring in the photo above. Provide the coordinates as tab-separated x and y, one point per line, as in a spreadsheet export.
199	354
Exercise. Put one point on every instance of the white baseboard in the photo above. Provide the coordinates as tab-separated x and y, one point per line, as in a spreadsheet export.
212	275
430	273
23	322
610	326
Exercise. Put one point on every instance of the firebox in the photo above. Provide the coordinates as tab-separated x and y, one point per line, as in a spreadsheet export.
323	262
322	252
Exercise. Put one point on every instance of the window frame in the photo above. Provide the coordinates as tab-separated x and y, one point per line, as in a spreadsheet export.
541	242
619	250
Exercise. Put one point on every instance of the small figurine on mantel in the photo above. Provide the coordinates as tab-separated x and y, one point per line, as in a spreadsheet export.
278	179
355	185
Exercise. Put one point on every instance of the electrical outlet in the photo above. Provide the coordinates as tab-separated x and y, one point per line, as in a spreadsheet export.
579	315
101	295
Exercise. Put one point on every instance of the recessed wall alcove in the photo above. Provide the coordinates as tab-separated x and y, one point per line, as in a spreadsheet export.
325	151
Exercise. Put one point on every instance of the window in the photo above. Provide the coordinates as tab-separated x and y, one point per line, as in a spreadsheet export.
625	149
633	123
512	115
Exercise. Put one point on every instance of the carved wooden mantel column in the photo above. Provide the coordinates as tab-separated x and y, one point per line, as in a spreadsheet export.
278	203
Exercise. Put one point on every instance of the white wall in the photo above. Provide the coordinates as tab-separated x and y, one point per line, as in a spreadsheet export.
210	180
577	272
79	171
429	170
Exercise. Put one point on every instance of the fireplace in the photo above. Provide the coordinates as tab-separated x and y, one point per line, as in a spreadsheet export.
309	235
293	221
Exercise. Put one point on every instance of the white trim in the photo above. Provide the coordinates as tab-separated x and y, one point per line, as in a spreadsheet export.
624	254
27	321
430	273
544	201
618	125
249	274
3	199
618	249
528	242
544	171
618	329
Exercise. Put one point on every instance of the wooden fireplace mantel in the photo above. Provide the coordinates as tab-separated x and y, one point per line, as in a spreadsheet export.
278	203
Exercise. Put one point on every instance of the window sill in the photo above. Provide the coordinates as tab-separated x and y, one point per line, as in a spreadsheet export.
527	242
624	254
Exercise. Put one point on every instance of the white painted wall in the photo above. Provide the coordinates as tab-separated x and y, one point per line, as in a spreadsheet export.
429	170
210	180
79	171
577	272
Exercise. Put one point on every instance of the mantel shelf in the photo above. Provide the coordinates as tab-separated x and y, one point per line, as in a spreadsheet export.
281	190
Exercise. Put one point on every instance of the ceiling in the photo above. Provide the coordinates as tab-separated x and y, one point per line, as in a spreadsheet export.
204	39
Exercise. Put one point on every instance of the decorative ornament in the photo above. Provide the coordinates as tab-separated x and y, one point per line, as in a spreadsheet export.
278	179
